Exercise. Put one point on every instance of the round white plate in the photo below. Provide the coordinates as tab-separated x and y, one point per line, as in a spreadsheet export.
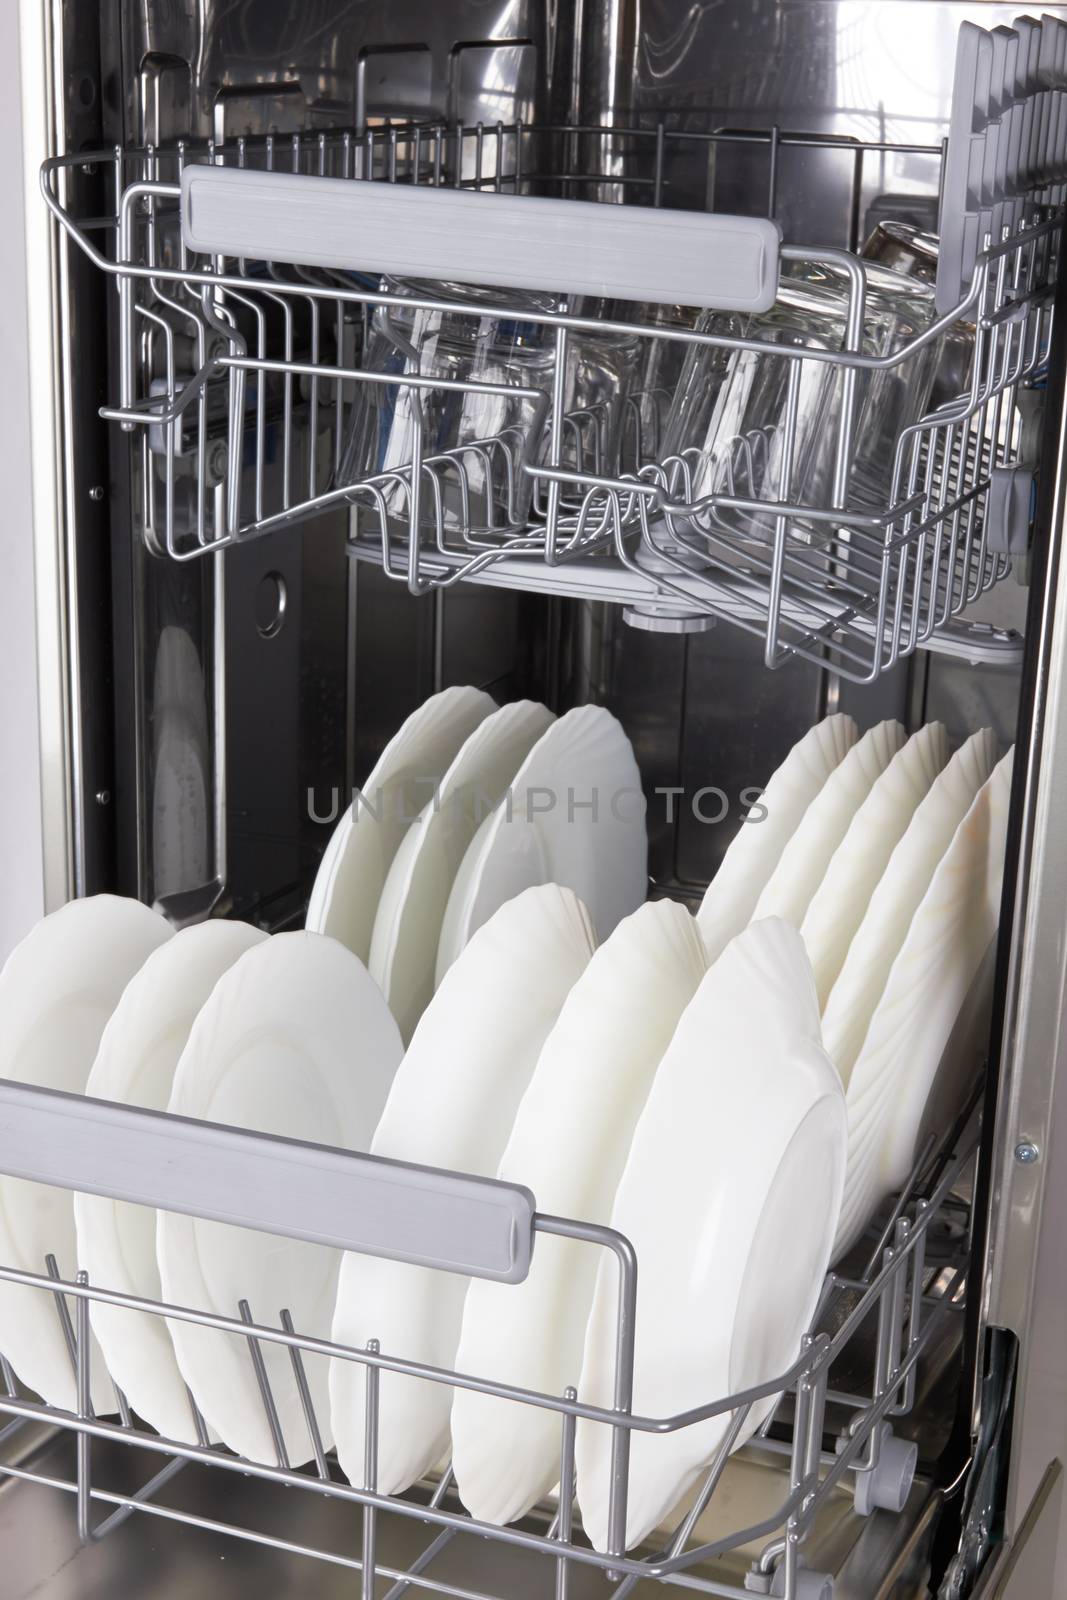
569	1145
344	897
295	1039
407	925
135	1065
905	1056
574	815
848	1011
57	991
730	1197
839	902
754	853
452	1105
807	855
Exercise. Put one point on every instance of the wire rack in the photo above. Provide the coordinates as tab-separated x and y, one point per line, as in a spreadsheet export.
240	379
826	1431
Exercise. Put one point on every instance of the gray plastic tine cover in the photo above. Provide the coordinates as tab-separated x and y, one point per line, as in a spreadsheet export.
961	185
1028	88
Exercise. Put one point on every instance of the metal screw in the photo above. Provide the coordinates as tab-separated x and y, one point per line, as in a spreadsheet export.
103	797
96	492
1026	1152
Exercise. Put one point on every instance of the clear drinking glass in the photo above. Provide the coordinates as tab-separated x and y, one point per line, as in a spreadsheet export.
728	423
485	348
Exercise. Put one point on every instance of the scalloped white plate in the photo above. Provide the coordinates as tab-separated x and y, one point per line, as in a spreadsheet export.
905	1059
858	989
837	907
57	990
452	1105
730	1197
732	894
803	863
295	1039
569	1144
574	815
353	870
407	924
135	1065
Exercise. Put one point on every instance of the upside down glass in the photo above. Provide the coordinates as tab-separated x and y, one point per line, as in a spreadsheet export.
488	435
728	425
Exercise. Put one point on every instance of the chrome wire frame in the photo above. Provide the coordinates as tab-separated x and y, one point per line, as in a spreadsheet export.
239	382
906	1287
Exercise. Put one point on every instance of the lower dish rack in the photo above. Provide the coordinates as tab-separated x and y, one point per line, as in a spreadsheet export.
244	309
832	1431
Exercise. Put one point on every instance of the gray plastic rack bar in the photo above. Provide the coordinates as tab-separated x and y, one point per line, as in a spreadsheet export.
447	1220
462	235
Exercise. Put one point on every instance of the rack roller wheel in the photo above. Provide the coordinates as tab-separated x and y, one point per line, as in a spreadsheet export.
810	1585
886	1486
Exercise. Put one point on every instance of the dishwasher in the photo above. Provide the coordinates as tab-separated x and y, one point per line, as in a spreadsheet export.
235	200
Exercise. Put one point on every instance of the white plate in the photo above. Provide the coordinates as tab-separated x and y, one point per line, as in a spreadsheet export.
135	1065
407	925
452	1105
754	853
806	856
574	815
730	1196
295	1039
930	980
344	896
839	902
569	1145
848	1011
57	991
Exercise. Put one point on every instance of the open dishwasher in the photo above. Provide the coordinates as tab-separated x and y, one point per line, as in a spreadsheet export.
254	214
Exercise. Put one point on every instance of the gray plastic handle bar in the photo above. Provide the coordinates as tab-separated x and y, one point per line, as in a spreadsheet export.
461	235
323	1195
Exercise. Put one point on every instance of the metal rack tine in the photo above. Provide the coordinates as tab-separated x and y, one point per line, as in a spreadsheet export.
565	1516
65	1320
370	1471
265	1393
306	1404
436	1545
203	1437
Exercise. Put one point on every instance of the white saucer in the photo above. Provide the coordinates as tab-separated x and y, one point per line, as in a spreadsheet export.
837	907
407	925
352	873
135	1065
452	1105
57	991
858	989
905	1058
574	815
807	855
732	894
730	1197
295	1039
569	1145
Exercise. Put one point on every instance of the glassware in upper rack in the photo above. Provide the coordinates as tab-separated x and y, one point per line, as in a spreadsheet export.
909	250
489	434
728	430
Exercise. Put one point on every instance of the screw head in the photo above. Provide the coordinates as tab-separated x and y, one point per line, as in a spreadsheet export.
1026	1152
103	797
96	492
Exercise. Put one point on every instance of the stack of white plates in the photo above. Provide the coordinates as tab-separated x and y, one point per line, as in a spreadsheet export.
467	806
736	1093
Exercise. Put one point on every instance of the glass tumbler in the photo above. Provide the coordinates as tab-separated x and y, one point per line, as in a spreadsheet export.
477	346
728	425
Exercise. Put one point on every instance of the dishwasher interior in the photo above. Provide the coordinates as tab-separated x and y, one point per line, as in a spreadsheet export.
248	629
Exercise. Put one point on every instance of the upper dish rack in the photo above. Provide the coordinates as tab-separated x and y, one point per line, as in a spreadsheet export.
248	273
